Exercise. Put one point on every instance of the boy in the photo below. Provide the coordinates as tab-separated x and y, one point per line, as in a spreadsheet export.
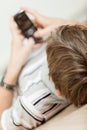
37	99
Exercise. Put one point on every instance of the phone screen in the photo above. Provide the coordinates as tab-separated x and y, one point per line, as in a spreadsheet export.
23	21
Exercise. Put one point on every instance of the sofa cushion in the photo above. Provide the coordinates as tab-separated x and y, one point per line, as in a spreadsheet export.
71	118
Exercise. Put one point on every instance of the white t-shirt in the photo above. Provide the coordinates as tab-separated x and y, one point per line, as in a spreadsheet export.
36	100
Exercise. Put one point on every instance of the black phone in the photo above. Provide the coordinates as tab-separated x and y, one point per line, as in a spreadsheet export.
25	24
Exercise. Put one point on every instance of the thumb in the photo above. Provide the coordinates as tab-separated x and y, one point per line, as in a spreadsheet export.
43	32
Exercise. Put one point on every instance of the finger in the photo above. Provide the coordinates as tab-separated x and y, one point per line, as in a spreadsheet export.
12	27
37	46
34	22
21	37
43	32
31	11
19	31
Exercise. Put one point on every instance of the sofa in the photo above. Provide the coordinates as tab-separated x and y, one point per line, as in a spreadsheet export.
71	118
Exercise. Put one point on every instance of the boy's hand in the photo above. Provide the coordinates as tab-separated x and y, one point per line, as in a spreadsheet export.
19	53
45	24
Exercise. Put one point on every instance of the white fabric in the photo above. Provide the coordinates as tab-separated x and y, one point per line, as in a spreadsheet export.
37	100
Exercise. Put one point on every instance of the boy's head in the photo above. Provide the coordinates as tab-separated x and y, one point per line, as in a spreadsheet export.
67	61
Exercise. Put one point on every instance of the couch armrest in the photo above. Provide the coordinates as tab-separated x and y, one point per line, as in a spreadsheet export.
69	119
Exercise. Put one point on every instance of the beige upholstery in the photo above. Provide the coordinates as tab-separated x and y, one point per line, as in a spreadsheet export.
70	118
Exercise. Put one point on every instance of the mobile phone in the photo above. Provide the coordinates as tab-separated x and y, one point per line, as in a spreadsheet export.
25	24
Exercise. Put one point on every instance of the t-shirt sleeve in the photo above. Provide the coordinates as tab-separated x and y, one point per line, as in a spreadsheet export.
30	111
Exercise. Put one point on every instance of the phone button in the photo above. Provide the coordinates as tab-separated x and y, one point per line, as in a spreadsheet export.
30	31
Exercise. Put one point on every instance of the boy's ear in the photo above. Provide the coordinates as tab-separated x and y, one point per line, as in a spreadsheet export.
58	92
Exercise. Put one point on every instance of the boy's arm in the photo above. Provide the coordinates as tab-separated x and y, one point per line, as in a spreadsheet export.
5	99
18	57
0	126
47	24
53	24
6	95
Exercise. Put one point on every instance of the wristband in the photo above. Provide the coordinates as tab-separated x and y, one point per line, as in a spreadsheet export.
6	86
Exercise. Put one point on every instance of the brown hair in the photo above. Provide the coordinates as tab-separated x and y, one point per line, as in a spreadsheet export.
67	62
